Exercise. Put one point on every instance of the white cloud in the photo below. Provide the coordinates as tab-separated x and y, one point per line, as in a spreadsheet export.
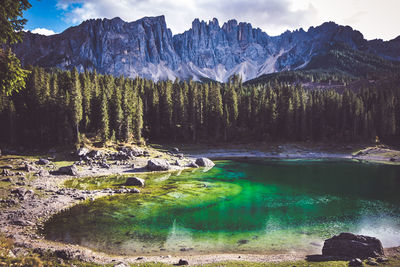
273	16
43	31
375	19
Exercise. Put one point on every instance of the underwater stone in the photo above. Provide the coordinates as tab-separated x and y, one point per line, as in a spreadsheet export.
134	191
134	181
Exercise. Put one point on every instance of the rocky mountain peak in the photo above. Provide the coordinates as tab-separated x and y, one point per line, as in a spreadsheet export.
146	47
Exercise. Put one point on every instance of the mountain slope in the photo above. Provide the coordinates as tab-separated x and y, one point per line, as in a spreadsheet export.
147	48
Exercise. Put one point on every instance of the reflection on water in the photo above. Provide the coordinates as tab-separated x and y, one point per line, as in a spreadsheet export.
239	206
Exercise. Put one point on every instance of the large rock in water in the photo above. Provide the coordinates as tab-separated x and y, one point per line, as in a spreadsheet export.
134	181
353	246
158	165
204	162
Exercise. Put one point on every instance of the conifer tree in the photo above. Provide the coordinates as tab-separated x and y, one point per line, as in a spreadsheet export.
104	129
76	102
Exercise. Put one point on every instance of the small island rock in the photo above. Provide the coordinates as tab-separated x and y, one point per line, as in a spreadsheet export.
204	162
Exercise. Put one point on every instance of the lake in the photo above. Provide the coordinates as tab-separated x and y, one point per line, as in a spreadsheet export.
239	206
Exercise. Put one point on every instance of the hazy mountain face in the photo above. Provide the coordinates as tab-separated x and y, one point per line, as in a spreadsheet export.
147	48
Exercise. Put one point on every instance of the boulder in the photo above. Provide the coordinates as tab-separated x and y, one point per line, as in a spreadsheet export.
7	173
10	167
132	151
175	150
64	254
104	165
382	259
192	165
121	155
43	161
20	191
42	173
353	246
355	262
22	223
134	181
68	170
95	154
158	165
30	167
204	162
83	151
134	191
372	262
183	262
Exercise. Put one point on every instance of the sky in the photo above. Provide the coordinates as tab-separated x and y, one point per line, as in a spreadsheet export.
373	18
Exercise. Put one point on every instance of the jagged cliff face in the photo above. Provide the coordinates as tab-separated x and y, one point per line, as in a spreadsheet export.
147	48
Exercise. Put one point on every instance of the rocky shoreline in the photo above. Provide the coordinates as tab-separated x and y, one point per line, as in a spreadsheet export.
34	192
379	154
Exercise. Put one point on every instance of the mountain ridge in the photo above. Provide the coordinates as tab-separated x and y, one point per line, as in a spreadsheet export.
147	48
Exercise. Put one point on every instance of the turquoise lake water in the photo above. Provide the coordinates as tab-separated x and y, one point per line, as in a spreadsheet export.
239	206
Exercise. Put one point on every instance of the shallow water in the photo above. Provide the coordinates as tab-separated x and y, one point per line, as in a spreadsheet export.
250	206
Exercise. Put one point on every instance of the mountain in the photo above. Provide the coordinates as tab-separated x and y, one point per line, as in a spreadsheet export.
147	48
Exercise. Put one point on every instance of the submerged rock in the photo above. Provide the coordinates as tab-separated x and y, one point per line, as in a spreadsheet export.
134	191
134	181
204	162
158	165
351	245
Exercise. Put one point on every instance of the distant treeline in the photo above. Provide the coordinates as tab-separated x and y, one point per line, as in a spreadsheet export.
57	107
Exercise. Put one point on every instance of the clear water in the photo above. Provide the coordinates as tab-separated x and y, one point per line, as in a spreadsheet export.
252	206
